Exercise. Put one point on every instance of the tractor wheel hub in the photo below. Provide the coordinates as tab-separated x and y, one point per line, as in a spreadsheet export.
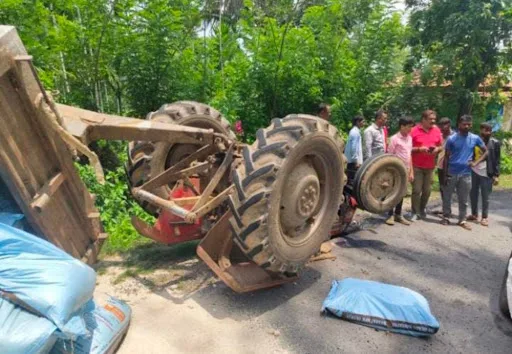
300	198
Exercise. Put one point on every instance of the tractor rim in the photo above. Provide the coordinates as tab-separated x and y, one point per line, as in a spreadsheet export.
305	199
382	186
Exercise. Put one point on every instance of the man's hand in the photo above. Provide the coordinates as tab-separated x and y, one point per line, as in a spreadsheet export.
495	180
447	178
437	150
358	165
422	149
411	177
472	164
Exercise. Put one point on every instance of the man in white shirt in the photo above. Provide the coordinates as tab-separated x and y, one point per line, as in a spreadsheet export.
354	147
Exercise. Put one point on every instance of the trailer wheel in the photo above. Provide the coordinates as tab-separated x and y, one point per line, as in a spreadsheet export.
380	183
148	159
288	190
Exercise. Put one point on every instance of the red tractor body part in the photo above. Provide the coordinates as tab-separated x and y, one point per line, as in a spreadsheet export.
170	228
346	214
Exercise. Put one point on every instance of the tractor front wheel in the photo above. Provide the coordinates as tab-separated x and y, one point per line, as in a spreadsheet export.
289	188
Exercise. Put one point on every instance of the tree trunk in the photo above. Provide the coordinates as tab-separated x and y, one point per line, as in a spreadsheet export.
465	105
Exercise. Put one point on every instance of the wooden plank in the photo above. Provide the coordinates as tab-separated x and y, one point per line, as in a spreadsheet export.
42	197
91	255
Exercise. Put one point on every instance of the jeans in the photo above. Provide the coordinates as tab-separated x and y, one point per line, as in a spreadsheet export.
421	187
483	183
398	209
461	183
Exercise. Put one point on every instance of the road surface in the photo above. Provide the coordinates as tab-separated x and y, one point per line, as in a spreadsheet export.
182	309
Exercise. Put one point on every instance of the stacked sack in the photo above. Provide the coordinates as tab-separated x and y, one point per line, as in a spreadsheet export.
46	300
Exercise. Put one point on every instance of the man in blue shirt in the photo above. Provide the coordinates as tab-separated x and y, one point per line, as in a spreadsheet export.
458	162
354	148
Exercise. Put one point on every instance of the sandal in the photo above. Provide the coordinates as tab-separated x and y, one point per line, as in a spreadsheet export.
484	222
472	218
445	221
464	225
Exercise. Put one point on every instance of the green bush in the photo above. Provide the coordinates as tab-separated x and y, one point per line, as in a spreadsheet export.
506	151
116	205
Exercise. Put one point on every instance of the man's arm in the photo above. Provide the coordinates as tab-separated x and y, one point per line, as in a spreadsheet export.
498	157
446	159
392	146
411	171
359	150
420	149
445	166
352	142
368	143
482	146
439	145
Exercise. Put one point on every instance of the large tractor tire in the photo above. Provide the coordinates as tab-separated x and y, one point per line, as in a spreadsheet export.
288	190
148	159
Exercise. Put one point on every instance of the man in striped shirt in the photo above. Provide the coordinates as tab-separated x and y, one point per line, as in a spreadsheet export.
374	139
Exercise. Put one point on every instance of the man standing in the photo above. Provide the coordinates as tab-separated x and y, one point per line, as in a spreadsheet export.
484	174
324	111
401	146
458	162
426	144
354	148
374	135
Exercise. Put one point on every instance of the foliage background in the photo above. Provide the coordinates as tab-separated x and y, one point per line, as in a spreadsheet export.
260	59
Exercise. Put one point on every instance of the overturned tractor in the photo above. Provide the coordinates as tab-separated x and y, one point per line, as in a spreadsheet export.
263	209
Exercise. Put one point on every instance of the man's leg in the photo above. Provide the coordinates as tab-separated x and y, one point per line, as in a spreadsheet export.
448	192
486	187
475	185
416	190
440	177
398	208
426	189
463	188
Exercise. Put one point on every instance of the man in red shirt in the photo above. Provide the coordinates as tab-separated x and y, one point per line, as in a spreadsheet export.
427	142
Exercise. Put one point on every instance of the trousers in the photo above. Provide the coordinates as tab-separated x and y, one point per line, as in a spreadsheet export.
461	183
483	184
421	187
397	209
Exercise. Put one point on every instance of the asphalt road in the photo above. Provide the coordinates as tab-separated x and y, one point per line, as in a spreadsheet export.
458	271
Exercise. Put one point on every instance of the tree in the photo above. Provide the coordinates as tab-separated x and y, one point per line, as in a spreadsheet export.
463	42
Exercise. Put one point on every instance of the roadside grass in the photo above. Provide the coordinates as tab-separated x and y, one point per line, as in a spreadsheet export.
505	182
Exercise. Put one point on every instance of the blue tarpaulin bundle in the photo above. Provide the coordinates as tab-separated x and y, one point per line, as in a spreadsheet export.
106	326
46	299
22	332
382	306
40	276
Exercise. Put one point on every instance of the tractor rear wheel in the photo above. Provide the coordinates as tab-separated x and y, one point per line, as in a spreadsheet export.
288	190
148	159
